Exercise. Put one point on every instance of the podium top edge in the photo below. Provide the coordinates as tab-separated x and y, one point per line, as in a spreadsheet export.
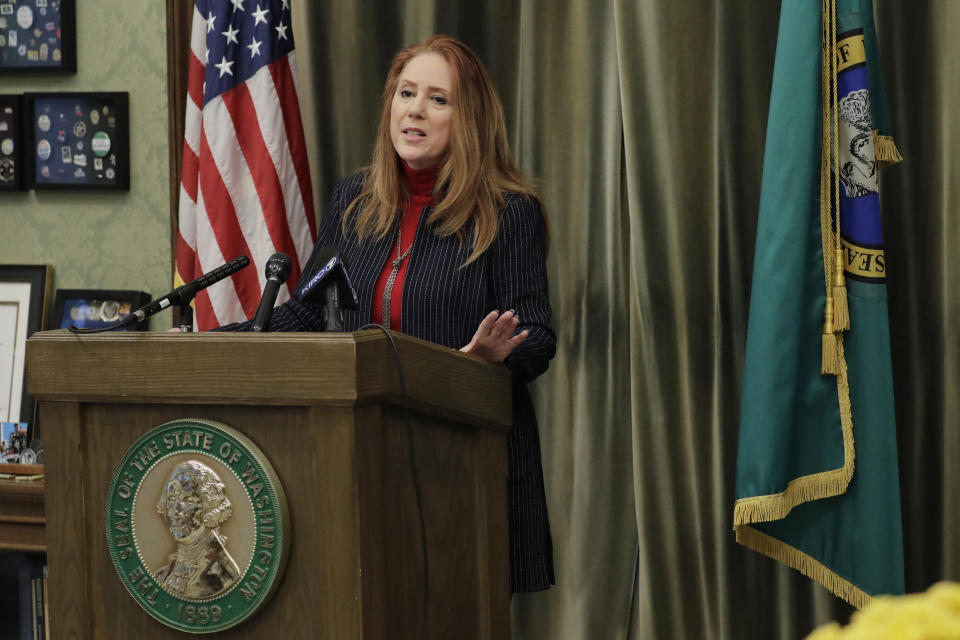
263	368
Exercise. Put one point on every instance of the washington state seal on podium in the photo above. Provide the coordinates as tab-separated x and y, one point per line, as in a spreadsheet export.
197	525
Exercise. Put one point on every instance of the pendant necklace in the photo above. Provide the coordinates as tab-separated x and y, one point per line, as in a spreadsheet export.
388	289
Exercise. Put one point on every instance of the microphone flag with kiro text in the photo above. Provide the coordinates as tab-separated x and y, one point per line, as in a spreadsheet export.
817	477
246	185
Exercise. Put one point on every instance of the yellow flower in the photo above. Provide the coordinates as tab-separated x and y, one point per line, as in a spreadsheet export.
829	631
933	615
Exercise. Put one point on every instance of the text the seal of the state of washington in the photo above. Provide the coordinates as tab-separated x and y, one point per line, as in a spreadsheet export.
197	525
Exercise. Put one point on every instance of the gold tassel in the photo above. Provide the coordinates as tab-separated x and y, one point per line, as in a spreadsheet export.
828	353
885	150
841	309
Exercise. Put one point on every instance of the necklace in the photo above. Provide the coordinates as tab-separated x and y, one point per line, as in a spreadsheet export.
388	288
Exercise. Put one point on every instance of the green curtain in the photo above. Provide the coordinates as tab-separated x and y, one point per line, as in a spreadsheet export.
644	122
921	200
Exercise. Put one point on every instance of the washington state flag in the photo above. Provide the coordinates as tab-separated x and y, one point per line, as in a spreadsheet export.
817	481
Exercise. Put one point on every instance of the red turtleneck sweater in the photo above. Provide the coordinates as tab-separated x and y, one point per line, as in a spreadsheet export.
420	184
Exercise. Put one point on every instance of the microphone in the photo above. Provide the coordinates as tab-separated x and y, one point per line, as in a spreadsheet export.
277	271
329	286
184	294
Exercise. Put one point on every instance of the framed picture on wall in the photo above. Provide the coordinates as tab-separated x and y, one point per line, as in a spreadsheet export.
23	302
11	143
77	140
96	308
38	36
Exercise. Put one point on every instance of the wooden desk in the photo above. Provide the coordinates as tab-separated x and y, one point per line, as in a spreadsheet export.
22	518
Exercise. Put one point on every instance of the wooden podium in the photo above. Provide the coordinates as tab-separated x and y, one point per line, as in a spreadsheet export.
326	411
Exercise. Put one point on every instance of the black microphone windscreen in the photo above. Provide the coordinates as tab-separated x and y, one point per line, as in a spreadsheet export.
218	274
278	266
327	266
323	256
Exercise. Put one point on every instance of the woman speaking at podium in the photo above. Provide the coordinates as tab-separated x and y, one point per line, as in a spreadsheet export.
446	241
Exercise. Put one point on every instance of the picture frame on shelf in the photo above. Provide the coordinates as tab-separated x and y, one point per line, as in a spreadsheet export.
24	293
38	36
78	140
20	455
12	168
14	442
96	308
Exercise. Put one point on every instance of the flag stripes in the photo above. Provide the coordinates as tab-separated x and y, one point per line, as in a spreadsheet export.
284	79
245	187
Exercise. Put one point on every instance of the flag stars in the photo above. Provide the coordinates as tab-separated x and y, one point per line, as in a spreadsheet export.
281	31
231	34
224	66
237	5
210	20
286	4
254	47
260	16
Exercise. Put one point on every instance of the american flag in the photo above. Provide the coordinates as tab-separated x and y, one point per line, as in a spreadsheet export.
246	182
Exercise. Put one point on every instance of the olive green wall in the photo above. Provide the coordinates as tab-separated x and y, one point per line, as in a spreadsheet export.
105	240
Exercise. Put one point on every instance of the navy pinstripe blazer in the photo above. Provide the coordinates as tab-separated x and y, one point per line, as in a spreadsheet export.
444	303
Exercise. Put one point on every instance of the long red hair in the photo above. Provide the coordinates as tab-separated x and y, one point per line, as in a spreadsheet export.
476	172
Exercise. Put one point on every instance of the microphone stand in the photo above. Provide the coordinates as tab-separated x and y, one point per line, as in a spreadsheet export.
185	316
181	297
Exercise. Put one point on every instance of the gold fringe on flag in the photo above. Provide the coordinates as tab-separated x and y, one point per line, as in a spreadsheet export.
815	486
756	509
805	564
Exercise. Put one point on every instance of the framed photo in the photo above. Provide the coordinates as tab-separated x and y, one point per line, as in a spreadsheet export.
23	302
38	36
13	440
77	140
96	308
11	143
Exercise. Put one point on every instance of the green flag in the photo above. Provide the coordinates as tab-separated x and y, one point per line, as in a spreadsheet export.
817	479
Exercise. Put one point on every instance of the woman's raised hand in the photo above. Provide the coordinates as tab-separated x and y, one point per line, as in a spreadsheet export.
494	339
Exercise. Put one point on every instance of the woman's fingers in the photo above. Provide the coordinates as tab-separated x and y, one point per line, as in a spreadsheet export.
513	343
470	346
488	323
517	339
505	347
505	325
481	335
494	339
